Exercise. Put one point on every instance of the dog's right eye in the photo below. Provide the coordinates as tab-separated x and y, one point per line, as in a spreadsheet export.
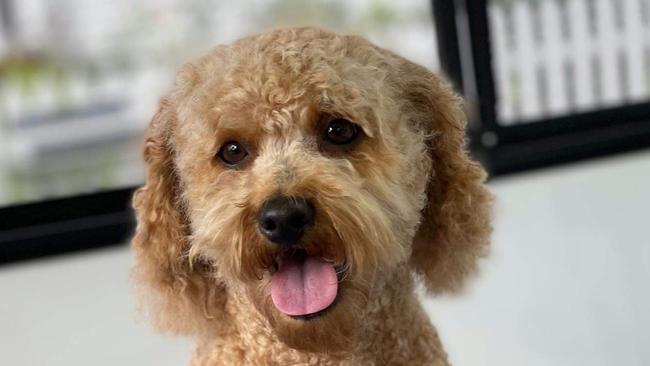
341	132
232	153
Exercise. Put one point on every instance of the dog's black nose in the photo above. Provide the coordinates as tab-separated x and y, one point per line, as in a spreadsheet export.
284	220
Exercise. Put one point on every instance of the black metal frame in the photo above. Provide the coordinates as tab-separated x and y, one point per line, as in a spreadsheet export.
63	225
464	47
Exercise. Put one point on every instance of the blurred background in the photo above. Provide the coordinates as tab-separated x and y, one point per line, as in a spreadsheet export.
80	79
558	99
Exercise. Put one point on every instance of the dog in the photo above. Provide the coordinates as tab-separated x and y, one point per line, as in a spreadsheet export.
299	184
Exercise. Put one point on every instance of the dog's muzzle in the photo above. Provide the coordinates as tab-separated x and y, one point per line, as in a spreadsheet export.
302	285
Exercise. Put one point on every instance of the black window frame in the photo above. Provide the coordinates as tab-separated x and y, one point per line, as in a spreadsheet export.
463	32
64	225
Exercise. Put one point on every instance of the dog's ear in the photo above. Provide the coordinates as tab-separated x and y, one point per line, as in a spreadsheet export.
455	227
180	296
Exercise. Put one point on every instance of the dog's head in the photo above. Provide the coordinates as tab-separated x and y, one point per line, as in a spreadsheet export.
296	171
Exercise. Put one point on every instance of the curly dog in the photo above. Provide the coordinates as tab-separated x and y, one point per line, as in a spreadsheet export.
299	183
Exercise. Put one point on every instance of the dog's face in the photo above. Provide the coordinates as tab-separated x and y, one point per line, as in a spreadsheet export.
300	185
293	171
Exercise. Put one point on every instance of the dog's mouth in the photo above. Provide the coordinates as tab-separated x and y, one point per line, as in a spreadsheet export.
304	286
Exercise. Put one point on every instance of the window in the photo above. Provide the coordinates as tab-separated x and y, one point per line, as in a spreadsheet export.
576	57
80	79
549	81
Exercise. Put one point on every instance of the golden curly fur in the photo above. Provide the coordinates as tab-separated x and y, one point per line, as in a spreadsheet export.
404	202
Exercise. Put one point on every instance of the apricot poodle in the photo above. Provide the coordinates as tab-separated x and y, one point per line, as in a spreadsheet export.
299	183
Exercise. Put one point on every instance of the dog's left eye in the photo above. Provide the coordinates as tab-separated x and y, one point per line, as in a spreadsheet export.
341	132
232	153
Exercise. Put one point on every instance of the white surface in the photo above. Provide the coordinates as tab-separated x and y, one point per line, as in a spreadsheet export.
567	284
78	310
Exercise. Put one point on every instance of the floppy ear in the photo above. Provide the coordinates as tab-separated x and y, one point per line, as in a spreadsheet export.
180	296
455	227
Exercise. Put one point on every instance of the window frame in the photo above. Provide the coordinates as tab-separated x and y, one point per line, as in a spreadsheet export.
462	27
63	225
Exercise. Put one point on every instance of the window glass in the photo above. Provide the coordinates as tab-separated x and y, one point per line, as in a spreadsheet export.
80	79
559	57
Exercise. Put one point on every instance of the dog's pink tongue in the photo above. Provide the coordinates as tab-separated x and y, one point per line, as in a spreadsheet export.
303	287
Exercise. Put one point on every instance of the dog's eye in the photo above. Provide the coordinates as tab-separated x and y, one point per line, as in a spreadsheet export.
341	132
232	153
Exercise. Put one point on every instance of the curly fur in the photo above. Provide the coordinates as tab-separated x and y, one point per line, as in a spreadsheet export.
404	202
